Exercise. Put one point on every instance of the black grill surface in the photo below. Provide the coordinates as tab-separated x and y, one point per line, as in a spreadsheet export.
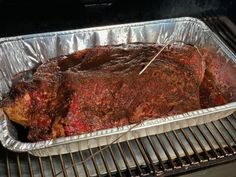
166	154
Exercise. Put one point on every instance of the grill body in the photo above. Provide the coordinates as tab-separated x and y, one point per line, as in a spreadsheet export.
167	154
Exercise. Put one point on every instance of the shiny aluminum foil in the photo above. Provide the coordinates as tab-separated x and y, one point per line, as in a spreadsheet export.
24	52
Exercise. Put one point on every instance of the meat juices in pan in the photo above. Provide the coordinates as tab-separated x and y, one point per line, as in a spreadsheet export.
101	88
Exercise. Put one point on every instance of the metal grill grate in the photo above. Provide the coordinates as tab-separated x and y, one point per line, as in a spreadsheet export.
166	154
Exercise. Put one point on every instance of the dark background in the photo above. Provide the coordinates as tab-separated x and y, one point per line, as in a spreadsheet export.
27	16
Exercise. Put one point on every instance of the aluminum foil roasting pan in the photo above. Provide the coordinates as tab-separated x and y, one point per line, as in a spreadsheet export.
24	52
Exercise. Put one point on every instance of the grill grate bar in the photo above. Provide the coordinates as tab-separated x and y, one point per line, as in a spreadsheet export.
217	155
94	162
229	133
157	154
222	35
183	147
219	27
18	165
191	145
216	140
52	166
181	163
125	161
104	161
223	31
114	160
63	166
230	121
166	152
41	166
134	158
225	28
84	164
8	166
144	155
74	165
30	165
200	144
146	152
226	141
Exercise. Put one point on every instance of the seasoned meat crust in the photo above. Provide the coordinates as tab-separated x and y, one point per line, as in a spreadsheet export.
100	88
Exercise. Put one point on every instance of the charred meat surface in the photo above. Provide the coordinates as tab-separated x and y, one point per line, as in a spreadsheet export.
100	88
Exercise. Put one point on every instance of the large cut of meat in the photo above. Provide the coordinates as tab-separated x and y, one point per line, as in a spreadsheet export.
100	88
